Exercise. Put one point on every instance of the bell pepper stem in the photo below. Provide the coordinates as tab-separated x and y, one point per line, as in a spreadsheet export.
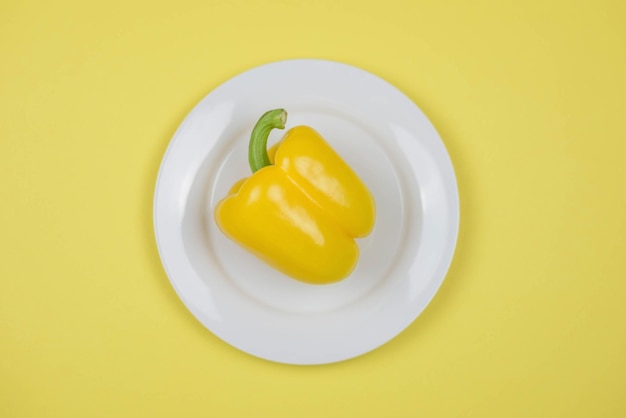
257	149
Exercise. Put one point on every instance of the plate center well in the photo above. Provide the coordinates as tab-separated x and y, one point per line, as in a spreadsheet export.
361	150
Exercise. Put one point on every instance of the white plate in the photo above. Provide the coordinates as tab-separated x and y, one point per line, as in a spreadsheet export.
395	150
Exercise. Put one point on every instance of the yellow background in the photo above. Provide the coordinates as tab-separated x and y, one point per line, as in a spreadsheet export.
530	99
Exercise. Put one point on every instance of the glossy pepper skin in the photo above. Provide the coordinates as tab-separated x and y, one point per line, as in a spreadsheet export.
301	209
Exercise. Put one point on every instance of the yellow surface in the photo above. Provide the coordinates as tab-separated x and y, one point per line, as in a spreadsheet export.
530	98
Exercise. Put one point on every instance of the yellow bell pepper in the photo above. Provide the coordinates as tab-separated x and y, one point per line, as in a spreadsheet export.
301	209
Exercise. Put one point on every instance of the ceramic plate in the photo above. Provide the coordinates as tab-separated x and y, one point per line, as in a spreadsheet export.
391	145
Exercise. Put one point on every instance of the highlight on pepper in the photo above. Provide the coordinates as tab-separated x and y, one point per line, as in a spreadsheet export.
301	209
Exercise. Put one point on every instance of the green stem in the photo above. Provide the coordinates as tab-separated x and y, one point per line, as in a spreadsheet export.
257	149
